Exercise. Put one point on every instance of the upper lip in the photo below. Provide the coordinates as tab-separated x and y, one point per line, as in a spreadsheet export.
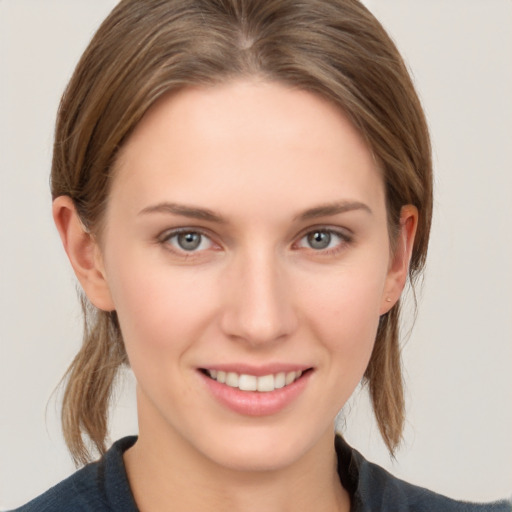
258	371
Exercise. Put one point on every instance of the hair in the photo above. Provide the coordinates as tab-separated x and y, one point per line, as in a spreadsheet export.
147	48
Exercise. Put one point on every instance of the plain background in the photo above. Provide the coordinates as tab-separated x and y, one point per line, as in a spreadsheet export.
459	357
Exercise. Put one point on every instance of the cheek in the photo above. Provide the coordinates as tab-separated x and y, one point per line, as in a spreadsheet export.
349	299
348	333
159	308
162	314
344	314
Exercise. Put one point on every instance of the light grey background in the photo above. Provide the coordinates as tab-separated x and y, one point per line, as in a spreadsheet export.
459	357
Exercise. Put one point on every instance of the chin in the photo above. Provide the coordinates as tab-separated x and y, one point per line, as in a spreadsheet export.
241	459
261	449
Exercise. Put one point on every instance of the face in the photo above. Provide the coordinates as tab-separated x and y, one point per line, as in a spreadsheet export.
247	255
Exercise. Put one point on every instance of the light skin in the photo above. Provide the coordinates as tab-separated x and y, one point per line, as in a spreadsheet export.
283	260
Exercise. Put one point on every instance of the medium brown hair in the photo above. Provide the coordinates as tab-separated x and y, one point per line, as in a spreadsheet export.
147	48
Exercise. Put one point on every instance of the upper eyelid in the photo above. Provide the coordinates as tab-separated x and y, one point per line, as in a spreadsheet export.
165	237
346	237
169	233
337	230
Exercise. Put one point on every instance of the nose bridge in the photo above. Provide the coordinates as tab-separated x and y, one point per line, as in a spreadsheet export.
258	306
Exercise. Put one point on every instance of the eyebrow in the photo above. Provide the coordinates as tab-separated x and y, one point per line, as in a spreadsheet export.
185	211
194	212
326	210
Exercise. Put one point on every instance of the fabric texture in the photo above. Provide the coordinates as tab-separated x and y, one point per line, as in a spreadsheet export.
103	487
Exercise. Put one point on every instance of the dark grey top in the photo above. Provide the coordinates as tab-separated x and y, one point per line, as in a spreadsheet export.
103	487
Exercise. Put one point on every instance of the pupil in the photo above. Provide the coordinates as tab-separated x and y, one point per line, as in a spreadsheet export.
319	239
189	241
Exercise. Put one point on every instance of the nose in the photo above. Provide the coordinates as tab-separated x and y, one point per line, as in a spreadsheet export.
258	306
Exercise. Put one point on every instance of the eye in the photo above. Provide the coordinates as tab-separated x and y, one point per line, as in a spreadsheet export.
322	239
188	241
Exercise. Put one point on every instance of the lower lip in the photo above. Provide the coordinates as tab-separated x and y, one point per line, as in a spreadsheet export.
256	403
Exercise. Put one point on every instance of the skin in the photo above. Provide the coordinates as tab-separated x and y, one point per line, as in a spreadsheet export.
264	159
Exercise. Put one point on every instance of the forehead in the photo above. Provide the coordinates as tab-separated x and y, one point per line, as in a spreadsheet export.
258	140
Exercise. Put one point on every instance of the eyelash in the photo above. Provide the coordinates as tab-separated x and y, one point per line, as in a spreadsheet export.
344	239
166	238
343	236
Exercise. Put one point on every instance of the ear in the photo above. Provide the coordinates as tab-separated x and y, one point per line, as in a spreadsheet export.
399	264
83	253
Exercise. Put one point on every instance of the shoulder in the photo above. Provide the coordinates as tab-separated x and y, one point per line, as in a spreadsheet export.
99	486
373	488
79	492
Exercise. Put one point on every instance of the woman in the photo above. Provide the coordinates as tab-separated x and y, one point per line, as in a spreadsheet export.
242	189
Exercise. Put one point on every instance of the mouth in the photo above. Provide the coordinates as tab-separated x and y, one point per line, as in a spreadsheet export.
262	384
259	391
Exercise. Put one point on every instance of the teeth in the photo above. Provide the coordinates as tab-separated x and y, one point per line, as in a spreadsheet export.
280	380
232	379
266	383
246	382
290	377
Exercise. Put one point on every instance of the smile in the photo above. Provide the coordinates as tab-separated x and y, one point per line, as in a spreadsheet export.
246	382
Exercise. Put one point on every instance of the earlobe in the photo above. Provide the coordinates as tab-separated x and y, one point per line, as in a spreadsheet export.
83	252
399	265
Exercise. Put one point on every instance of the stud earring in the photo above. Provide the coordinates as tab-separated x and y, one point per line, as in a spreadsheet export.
388	299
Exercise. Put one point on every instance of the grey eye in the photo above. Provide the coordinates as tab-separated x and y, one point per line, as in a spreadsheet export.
189	241
323	240
184	241
319	239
